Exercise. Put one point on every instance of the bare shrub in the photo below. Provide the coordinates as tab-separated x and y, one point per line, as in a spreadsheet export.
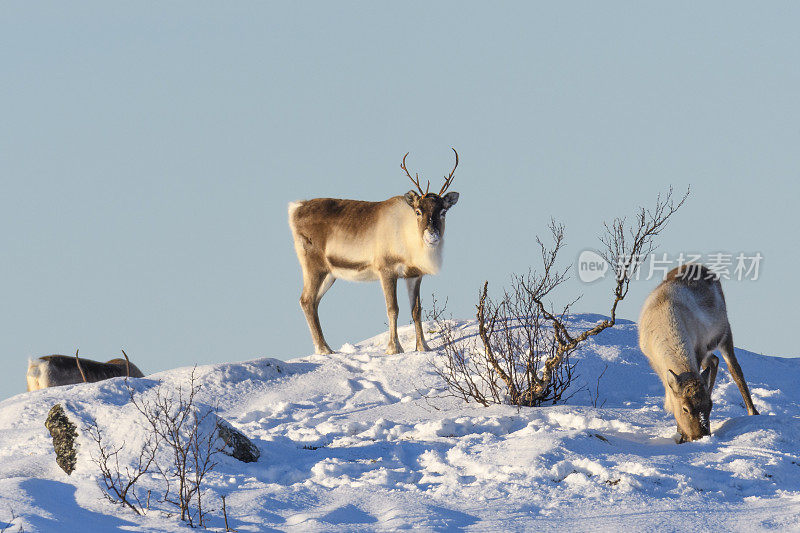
180	447
118	482
525	346
188	432
515	342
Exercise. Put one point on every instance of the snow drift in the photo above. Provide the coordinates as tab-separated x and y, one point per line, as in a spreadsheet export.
359	440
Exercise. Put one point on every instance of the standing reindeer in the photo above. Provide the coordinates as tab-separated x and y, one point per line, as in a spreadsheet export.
682	322
401	237
55	370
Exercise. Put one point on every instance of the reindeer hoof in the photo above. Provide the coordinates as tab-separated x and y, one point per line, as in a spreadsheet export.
324	350
391	350
423	347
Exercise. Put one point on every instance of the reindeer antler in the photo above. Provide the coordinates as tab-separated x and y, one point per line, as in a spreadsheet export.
449	179
414	181
127	365
78	362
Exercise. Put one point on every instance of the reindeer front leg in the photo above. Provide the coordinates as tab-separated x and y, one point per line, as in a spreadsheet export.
413	285
709	366
389	284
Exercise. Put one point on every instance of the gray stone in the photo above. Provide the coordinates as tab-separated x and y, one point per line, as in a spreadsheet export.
64	434
237	445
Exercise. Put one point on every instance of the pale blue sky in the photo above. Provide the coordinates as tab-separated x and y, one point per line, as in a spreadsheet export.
148	151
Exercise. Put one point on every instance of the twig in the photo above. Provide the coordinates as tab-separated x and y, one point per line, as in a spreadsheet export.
10	522
596	396
225	514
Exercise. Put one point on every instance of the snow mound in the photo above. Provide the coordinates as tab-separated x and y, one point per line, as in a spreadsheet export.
360	440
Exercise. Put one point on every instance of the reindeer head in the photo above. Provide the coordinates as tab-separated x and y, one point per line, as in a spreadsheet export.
691	403
429	207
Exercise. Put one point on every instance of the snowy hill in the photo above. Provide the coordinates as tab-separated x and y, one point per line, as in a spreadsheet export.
360	440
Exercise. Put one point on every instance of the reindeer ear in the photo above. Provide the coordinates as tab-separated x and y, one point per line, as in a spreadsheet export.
672	381
450	199
412	198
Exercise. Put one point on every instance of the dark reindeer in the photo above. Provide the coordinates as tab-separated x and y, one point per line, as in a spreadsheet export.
402	237
55	370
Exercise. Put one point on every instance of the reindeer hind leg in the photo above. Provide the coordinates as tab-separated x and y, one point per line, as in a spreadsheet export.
315	284
326	284
726	349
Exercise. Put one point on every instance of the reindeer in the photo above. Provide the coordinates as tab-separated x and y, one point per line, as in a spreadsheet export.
402	237
682	322
55	370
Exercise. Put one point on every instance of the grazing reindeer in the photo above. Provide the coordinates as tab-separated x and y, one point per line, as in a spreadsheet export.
401	237
682	322
55	370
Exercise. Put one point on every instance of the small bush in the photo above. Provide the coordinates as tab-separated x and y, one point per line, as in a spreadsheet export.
522	355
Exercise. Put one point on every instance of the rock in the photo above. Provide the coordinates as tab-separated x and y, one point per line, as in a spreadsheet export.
64	434
237	445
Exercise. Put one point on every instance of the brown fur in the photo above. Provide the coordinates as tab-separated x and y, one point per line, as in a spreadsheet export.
56	370
338	262
364	241
694	398
313	218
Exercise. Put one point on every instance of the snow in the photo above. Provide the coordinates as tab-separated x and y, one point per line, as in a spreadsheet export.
360	440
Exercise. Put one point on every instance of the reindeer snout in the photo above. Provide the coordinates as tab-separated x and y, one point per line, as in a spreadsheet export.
431	238
705	424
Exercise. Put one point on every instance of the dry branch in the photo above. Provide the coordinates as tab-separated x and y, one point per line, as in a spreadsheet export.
526	345
186	431
119	482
